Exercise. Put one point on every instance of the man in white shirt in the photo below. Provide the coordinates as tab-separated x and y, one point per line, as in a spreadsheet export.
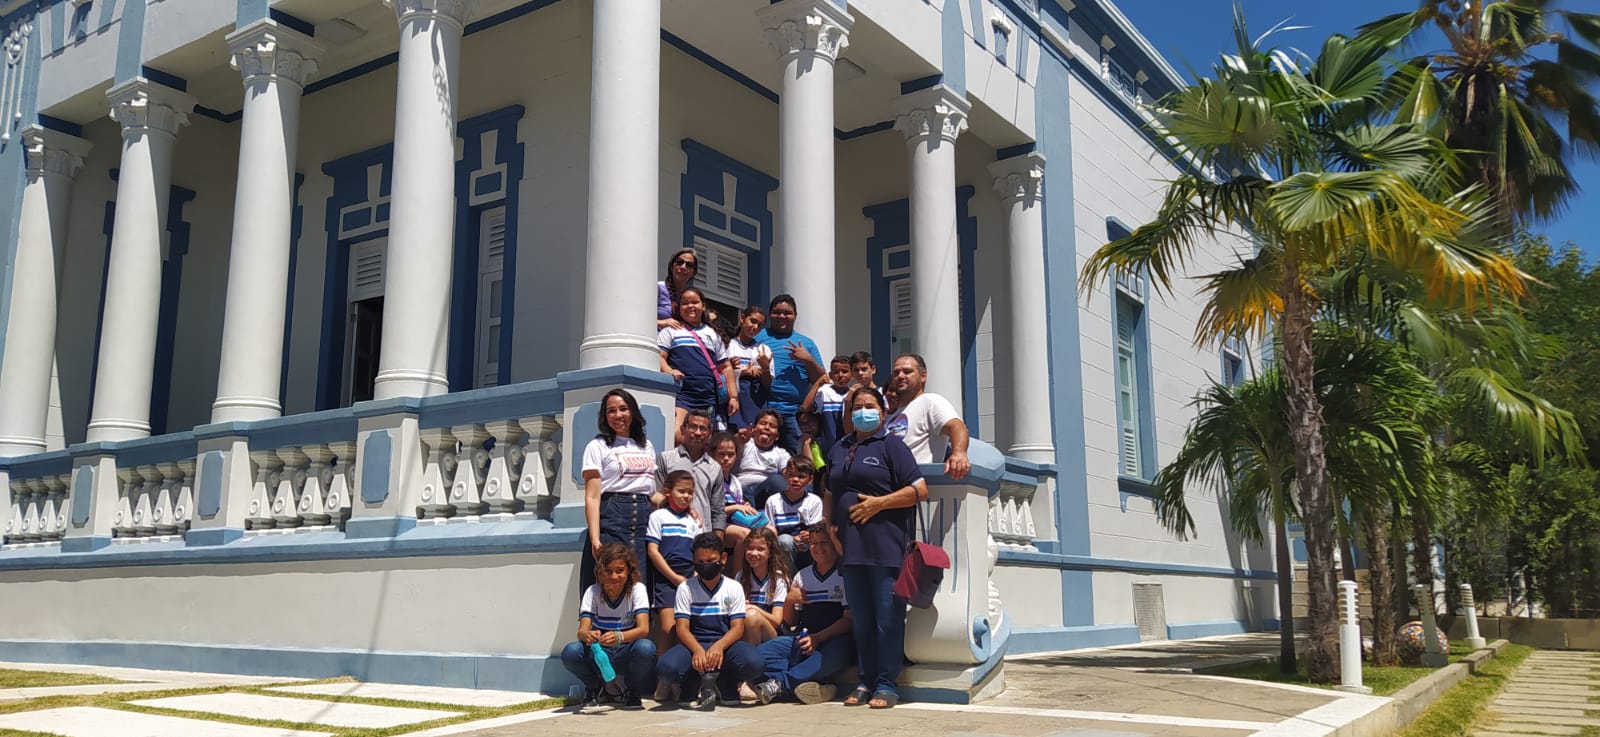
925	421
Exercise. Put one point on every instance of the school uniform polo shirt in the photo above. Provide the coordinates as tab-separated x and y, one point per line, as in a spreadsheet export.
673	534
710	611
879	465
707	483
825	602
614	616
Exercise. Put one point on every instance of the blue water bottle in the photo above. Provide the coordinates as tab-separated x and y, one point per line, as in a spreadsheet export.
603	662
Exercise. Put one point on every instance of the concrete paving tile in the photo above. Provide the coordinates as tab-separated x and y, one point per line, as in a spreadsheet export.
1535	710
424	694
1497	733
1530	728
1512	703
86	721
1569	721
282	708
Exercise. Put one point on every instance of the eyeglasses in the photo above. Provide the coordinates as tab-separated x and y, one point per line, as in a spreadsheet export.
686	262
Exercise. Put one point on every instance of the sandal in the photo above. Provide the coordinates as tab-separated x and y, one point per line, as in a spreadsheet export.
884	700
858	696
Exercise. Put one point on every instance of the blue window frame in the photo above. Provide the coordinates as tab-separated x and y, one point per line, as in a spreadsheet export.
1232	355
1131	370
727	222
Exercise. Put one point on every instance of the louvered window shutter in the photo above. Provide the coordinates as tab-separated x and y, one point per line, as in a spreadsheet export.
1127	388
491	282
724	272
366	269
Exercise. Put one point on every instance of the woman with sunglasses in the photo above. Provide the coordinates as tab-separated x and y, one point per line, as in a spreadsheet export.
874	486
681	269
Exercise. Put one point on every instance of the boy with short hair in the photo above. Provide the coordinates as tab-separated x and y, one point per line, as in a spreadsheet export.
710	631
863	369
795	510
823	646
826	400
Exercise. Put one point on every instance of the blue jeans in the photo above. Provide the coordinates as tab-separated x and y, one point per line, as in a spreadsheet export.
635	664
790	439
798	558
880	625
786	665
740	663
758	496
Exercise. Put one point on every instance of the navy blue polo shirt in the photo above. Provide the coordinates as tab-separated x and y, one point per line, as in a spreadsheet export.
876	466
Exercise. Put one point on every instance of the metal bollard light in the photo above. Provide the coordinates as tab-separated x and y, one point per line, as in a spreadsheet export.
1474	640
1432	657
1350	640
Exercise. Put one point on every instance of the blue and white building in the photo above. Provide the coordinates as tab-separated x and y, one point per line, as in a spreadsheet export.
307	306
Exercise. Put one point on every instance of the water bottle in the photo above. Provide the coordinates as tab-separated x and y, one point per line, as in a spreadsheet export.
798	636
603	662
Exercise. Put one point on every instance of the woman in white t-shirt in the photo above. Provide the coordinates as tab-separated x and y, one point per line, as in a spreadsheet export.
619	481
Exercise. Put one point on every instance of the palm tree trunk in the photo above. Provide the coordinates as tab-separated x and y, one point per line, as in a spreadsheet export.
1380	582
1422	556
1286	660
1311	474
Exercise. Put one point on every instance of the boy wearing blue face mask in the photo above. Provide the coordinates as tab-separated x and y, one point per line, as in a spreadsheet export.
710	632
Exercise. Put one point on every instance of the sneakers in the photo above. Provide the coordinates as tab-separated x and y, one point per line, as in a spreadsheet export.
746	694
812	692
632	701
768	691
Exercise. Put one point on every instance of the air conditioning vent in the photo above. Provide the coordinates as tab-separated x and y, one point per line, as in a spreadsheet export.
1149	611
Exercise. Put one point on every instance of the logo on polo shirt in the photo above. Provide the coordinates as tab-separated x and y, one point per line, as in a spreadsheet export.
872	461
727	603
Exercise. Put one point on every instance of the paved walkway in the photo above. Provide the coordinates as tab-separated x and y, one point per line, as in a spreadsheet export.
1551	693
1127	691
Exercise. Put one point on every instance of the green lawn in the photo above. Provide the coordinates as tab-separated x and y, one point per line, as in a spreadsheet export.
1382	681
1455	712
37	678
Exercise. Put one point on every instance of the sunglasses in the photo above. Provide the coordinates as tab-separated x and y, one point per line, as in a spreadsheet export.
686	262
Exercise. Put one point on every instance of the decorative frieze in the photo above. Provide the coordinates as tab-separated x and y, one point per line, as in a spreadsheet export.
52	152
141	106
935	111
449	11
816	27
1019	178
266	51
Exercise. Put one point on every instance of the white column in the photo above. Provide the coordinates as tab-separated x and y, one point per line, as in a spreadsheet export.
931	119
624	186
275	62
30	345
416	316
1020	180
808	35
150	115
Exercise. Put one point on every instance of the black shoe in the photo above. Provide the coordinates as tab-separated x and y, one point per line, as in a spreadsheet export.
631	700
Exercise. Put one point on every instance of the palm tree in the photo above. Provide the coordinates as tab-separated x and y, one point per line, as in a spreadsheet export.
1238	442
1309	182
1495	94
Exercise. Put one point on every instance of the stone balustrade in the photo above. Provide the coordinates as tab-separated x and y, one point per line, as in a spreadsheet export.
1014	522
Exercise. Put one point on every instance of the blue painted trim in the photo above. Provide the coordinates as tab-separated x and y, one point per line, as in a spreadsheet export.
703	177
485	538
525	399
154	449
218	115
714	63
507	15
462	361
1215	628
296	225
953	47
1135	486
50	463
1013	151
1091	563
1095	19
61	126
292	22
167	322
498	671
167	79
351	73
921	83
865	130
328	426
379	527
891	228
212	536
1053	110
107	226
1057	639
1148	460
349	174
980	25
12	158
83	544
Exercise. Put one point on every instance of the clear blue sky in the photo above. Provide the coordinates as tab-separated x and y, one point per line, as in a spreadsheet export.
1191	33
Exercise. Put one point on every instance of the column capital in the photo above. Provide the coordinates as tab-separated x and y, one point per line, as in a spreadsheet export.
1019	178
141	106
935	111
53	152
817	27
266	50
454	12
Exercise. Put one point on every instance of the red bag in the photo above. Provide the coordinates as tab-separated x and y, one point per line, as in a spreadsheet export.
922	571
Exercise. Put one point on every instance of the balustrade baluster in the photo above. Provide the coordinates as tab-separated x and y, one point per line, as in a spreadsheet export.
144	524
183	502
466	496
14	522
313	495
540	456
339	497
286	500
259	515
31	507
57	505
164	515
505	461
441	458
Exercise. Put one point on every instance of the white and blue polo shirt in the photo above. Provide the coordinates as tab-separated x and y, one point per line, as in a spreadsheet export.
673	534
825	601
684	353
614	616
757	594
710	611
792	517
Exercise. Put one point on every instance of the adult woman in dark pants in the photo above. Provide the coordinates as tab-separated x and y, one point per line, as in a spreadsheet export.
874	485
619	482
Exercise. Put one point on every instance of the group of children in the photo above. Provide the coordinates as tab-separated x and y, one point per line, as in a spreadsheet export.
764	633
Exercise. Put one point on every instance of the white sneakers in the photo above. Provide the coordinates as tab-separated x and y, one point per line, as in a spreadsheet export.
812	692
